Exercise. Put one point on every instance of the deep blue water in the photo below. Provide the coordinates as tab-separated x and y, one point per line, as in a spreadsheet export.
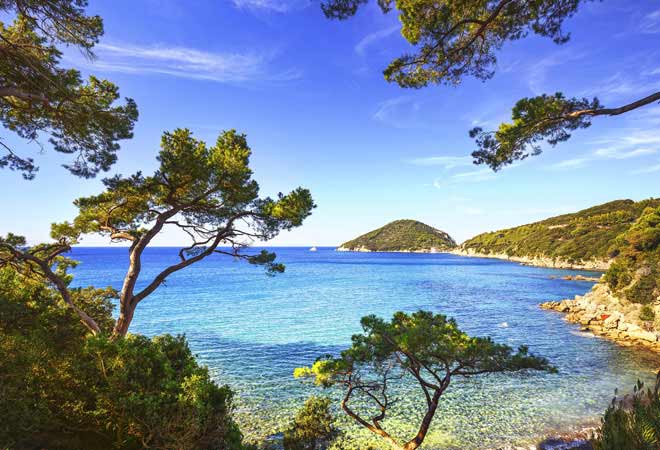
252	330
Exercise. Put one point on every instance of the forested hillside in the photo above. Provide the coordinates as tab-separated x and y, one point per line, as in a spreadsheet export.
585	235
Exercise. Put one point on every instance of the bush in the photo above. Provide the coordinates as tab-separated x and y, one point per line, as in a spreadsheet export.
635	274
61	388
632	423
312	428
646	313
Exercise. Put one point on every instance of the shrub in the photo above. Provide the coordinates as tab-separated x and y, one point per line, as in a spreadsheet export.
312	428
61	388
635	274
646	313
632	423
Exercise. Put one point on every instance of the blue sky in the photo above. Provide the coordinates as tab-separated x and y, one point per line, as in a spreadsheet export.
310	95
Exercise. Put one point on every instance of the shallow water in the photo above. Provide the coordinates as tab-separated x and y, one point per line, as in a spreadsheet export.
252	330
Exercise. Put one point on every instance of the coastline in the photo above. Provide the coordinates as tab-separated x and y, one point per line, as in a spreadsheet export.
537	261
600	312
366	250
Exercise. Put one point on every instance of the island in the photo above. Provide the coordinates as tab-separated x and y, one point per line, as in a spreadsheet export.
401	236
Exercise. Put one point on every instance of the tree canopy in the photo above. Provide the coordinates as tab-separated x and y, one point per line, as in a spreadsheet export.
38	95
205	191
460	38
62	388
427	347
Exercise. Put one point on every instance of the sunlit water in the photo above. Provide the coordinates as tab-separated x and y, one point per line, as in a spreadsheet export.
252	330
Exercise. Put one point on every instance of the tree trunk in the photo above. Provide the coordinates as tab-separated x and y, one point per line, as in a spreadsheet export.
123	321
414	443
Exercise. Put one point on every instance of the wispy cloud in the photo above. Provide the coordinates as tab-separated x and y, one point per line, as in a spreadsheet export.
472	176
400	112
537	73
627	85
645	170
371	38
650	24
190	63
619	153
279	6
446	162
573	163
630	144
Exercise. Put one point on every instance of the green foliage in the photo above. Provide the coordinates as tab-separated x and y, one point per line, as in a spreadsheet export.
631	423
209	187
61	388
459	38
577	237
635	275
206	192
313	427
38	96
646	313
427	347
402	235
543	118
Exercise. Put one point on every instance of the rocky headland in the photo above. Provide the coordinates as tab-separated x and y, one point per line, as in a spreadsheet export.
603	313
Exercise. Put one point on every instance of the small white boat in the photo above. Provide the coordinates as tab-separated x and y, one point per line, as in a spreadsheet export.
313	249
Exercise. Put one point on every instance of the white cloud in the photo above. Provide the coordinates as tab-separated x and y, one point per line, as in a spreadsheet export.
371	38
186	62
619	153
574	163
646	170
280	6
650	24
472	176
623	87
631	144
446	162
400	112
537	73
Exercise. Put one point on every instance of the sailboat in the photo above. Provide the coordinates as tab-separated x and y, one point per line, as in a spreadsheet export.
313	249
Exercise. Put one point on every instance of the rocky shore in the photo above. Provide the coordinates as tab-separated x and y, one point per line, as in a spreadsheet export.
602	313
540	261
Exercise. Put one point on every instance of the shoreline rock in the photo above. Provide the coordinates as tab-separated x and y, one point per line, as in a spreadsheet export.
600	312
538	261
366	250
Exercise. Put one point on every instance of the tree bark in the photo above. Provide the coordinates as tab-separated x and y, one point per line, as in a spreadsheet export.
414	443
10	91
615	111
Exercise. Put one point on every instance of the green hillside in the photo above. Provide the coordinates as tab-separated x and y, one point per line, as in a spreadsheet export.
585	235
635	274
402	235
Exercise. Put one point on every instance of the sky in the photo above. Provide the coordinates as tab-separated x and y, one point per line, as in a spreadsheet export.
310	95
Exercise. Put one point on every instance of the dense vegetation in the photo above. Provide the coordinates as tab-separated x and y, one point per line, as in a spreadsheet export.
313	428
585	235
402	235
83	118
63	388
635	274
633	422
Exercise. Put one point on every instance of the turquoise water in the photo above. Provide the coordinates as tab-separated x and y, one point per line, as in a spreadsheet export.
252	330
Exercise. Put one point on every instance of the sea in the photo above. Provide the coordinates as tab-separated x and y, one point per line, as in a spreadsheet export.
252	330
